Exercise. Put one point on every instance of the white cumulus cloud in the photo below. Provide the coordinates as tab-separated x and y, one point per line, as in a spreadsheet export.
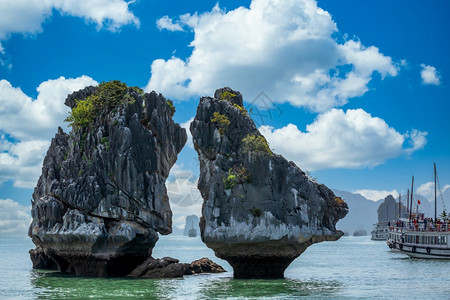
184	197
22	162
284	47
27	16
110	13
376	195
25	118
14	218
417	139
426	190
186	125
168	24
338	139
27	126
430	75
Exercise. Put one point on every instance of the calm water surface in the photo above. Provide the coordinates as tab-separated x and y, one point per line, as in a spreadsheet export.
351	268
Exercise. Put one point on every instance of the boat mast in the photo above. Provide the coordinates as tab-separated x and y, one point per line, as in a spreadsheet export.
407	203
435	197
399	206
410	205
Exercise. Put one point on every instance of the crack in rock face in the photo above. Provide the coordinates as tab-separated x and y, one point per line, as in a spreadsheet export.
260	211
101	198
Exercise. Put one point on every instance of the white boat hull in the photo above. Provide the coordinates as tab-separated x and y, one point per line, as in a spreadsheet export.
423	252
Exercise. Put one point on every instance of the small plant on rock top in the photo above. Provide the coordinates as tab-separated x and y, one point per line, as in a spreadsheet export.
226	96
107	96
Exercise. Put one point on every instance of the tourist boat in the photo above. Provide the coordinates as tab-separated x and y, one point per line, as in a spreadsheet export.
422	244
420	238
380	231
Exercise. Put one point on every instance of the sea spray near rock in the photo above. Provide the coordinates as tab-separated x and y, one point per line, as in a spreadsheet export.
101	198
260	211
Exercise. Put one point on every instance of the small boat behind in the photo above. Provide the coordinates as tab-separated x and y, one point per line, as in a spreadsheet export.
380	231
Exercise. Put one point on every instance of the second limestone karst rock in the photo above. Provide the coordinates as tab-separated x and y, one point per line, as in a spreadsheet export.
260	211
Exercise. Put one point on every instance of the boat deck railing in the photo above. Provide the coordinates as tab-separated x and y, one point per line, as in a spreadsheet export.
421	227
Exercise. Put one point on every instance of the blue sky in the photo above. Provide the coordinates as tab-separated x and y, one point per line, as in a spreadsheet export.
358	90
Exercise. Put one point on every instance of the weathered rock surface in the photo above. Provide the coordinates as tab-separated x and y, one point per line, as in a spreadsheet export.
168	267
41	260
101	198
260	211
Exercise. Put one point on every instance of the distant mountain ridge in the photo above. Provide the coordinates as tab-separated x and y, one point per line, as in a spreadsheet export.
362	212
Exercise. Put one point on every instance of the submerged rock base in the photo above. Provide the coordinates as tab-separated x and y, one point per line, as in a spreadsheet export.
259	266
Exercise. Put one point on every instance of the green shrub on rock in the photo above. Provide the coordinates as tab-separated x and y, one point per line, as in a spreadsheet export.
241	173
236	175
230	181
105	142
83	114
171	107
257	144
241	109
221	122
339	201
227	96
107	96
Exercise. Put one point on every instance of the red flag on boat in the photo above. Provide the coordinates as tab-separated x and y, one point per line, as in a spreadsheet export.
418	201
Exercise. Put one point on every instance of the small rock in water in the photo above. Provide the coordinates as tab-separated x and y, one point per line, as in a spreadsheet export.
168	267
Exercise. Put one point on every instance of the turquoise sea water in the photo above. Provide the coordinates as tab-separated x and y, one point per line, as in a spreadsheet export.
351	268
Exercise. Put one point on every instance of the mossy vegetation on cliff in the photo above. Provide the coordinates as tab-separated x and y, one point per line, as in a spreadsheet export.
226	95
221	122
339	201
257	144
236	175
108	95
171	107
241	109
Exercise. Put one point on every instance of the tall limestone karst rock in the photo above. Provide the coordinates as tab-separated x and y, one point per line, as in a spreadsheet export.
388	209
101	198
260	211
